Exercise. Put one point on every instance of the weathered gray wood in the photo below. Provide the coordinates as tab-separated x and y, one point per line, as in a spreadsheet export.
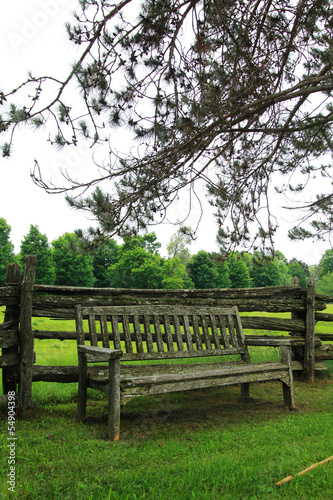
82	389
9	338
273	291
9	334
27	339
309	349
288	388
323	317
62	374
274	324
9	360
114	400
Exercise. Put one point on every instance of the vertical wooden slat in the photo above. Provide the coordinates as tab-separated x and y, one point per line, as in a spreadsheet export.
158	334
92	330
196	333
137	331
148	334
230	323
309	349
104	331
187	331
168	334
79	325
223	330
178	333
127	334
215	332
206	332
26	335
12	314
115	331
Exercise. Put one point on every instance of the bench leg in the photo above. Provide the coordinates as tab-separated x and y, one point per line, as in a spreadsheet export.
82	392
245	390
114	400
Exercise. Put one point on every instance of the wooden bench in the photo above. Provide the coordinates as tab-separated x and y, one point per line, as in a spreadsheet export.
155	333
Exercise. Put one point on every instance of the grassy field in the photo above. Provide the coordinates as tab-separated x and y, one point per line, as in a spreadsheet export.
195	445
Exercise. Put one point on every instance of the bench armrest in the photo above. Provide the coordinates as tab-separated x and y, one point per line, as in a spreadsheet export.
97	354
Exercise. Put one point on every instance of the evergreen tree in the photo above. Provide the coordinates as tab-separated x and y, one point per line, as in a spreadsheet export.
72	267
6	250
203	271
266	274
103	257
35	243
245	94
239	274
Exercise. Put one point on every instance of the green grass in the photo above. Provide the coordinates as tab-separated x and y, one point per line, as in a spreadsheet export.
195	445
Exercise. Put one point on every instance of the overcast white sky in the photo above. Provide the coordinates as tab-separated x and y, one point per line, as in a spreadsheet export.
32	37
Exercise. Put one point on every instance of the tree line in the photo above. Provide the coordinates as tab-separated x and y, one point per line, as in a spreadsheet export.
137	263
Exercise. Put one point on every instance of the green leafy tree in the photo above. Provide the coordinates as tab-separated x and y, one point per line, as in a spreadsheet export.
325	284
245	95
175	274
203	271
178	245
35	243
239	274
136	268
6	250
326	263
296	270
72	267
103	257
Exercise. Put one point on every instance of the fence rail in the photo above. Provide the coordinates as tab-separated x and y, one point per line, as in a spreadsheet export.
24	300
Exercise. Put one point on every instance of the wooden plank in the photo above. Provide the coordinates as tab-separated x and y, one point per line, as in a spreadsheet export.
309	349
115	332
205	332
217	344
27	339
126	328
196	333
9	360
104	331
273	324
9	338
179	339
92	329
148	334
138	336
188	335
223	330
9	334
181	354
168	334
232	336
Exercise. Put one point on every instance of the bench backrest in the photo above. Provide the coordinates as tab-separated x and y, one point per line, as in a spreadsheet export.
161	332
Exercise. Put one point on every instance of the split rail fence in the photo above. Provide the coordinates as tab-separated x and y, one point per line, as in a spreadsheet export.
24	300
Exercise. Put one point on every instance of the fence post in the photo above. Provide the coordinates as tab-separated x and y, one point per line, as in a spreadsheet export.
12	316
26	334
309	350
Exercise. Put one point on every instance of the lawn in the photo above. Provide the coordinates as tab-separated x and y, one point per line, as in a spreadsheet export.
195	445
